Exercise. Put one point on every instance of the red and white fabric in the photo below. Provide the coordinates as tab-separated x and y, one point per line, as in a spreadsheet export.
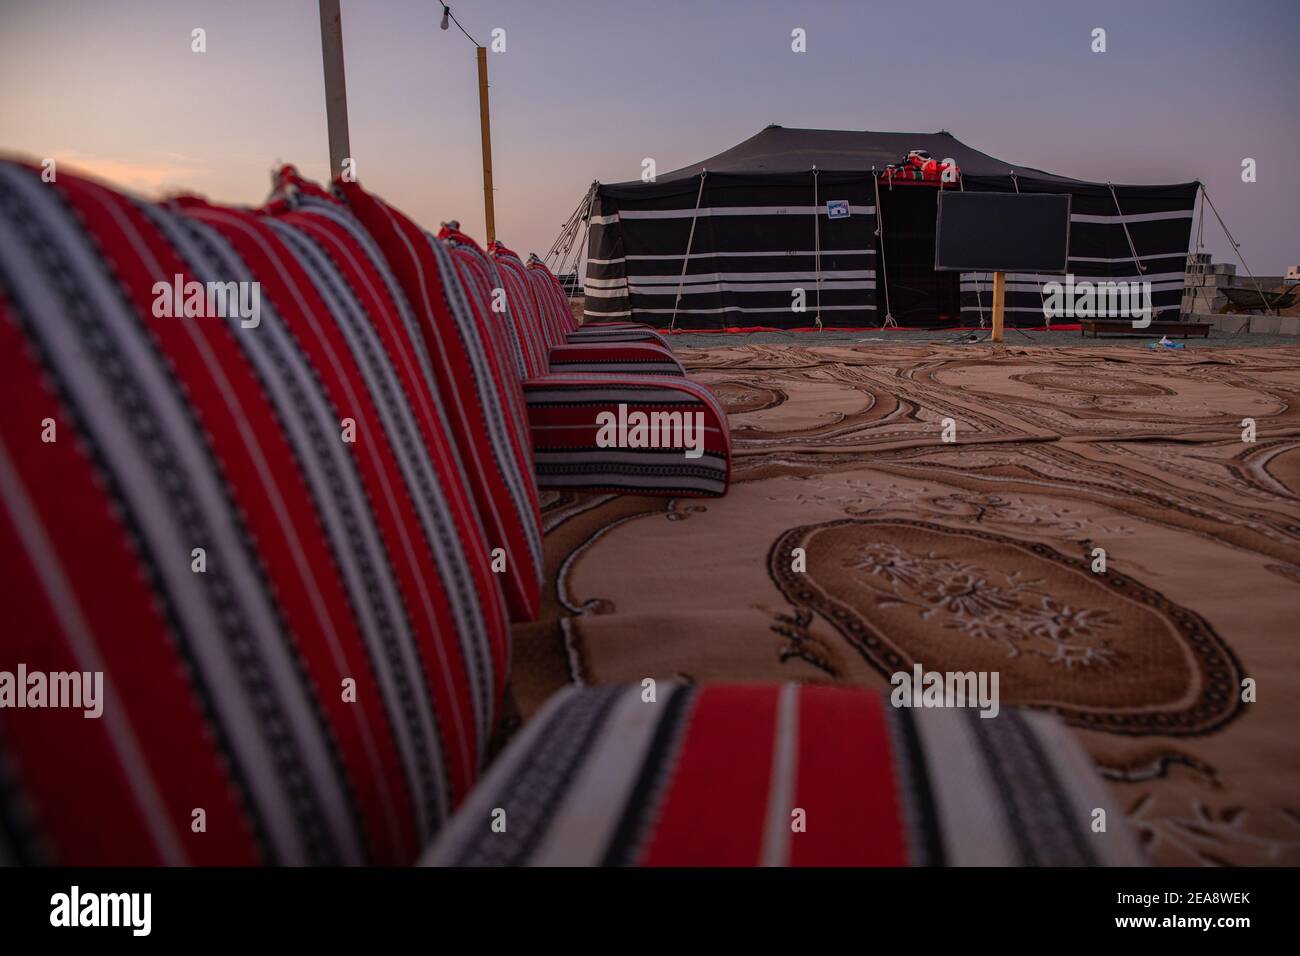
781	774
537	306
479	392
301	639
564	411
563	407
610	330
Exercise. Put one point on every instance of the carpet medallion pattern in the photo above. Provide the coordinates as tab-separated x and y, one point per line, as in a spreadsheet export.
1177	664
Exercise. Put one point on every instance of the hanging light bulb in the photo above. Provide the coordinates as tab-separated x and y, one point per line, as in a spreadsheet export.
446	12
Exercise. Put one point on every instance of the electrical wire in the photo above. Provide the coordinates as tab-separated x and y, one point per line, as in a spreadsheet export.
447	12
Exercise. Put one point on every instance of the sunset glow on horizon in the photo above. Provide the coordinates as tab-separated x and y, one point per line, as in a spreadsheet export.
588	90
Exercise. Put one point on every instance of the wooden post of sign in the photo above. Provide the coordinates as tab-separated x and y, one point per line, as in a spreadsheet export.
485	128
999	298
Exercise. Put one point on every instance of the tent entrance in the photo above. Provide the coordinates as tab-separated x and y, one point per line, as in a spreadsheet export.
919	297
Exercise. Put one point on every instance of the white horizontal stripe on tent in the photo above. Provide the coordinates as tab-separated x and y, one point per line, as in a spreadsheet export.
1148	255
780	311
1062	319
1035	287
690	211
1042	277
1133	217
738	255
619	283
856	210
715	287
697	277
605	315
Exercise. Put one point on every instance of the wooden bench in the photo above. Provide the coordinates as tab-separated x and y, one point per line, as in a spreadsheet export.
1157	327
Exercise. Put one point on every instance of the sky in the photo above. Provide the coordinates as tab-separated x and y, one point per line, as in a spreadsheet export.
586	90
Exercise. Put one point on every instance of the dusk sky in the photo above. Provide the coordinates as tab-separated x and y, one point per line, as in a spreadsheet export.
586	90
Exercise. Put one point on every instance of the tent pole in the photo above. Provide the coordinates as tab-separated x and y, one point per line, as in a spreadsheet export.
567	227
889	322
336	89
817	246
1236	247
686	259
580	234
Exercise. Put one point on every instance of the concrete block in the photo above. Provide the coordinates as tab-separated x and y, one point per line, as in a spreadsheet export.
1226	323
1289	325
1265	325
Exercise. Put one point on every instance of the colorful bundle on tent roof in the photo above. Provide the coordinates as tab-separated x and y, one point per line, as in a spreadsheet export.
919	166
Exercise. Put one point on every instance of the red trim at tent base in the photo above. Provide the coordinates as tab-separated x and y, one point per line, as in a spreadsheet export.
746	329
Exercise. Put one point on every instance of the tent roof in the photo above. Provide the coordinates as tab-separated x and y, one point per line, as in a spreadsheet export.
780	150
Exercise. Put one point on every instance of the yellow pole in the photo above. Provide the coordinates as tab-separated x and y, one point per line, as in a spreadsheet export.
489	215
999	297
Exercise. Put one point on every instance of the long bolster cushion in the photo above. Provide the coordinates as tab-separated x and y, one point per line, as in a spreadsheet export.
539	318
238	512
557	322
558	301
641	358
585	436
482	399
749	775
629	334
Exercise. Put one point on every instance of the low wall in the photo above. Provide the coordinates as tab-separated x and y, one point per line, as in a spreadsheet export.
1257	324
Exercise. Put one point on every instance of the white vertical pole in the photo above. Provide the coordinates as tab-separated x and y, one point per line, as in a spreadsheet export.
336	90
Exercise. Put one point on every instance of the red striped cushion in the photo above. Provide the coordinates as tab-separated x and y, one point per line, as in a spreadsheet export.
617	358
323	690
483	399
749	775
550	288
622	333
610	330
536	321
483	273
565	409
550	299
524	301
536	335
587	380
499	332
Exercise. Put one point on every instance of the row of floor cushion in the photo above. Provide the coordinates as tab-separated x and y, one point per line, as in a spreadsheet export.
274	532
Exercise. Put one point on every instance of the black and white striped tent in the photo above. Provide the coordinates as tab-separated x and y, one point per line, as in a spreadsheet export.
726	242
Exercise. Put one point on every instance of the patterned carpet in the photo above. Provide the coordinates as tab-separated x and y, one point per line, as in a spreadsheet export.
978	554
